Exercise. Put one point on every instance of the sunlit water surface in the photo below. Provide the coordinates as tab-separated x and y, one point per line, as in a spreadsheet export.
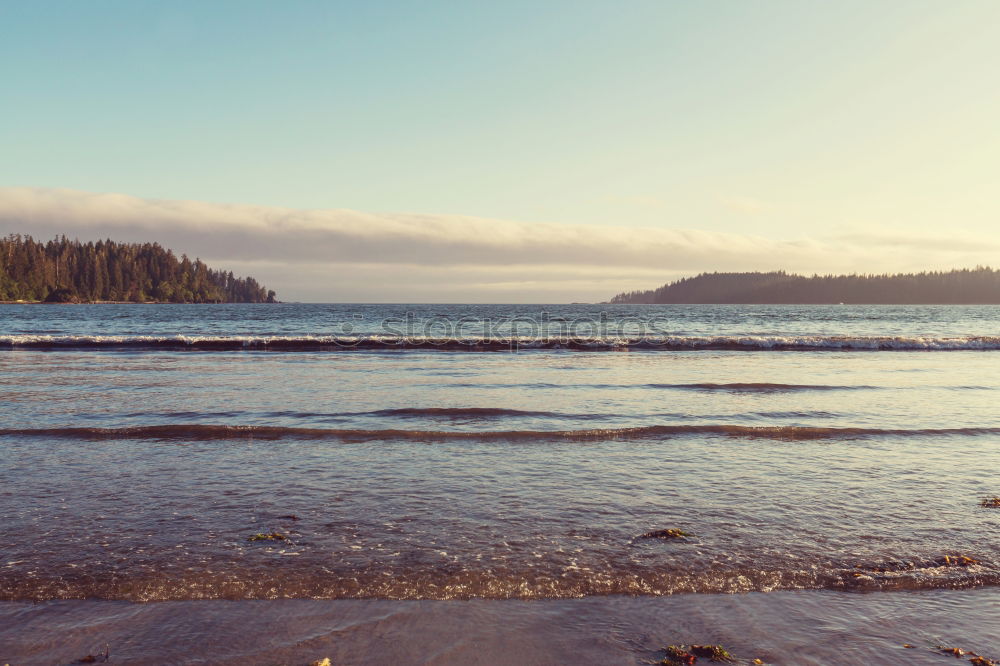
136	462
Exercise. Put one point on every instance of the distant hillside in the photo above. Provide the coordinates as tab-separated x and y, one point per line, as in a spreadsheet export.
978	286
68	271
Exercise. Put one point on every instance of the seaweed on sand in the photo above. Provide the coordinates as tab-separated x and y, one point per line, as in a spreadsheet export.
901	566
271	536
956	561
713	652
669	533
676	654
688	654
958	653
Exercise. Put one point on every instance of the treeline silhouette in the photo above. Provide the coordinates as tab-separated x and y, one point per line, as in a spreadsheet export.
63	270
970	286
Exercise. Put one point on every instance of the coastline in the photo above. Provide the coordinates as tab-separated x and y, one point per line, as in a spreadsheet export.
790	627
92	303
128	303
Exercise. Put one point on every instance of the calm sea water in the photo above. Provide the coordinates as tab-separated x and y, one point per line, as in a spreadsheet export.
499	452
139	455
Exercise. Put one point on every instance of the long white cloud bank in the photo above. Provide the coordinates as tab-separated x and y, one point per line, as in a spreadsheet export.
345	255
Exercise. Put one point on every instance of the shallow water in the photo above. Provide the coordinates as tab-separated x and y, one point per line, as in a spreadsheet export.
802	628
134	469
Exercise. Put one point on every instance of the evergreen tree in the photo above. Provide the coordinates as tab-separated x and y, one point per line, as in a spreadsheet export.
66	271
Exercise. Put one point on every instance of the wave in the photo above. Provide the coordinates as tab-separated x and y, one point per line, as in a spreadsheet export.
465	413
303	581
458	415
735	387
316	343
759	387
443	413
197	431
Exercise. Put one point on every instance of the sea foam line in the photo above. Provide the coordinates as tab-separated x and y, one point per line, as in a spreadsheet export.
399	343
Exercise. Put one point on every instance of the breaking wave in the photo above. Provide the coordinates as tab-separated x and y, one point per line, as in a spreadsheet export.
197	431
244	581
389	343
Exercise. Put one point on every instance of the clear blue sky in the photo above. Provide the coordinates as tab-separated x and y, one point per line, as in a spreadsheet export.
775	118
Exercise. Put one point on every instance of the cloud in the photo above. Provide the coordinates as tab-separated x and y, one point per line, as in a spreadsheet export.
349	255
921	241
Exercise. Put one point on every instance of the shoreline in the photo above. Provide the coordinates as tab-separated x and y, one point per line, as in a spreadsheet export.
136	303
98	303
810	627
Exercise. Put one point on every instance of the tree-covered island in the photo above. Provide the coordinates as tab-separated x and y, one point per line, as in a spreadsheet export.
68	271
967	286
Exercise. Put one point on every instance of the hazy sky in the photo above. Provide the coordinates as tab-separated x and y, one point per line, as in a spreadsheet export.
514	151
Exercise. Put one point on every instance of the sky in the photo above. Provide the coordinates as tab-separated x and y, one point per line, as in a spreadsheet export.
543	151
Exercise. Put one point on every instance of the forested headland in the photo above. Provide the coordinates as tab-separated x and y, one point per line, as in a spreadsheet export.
68	271
967	286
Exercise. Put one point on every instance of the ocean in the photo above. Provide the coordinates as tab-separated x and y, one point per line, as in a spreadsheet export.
498	484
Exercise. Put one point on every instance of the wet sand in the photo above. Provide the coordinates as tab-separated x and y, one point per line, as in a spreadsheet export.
793	627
